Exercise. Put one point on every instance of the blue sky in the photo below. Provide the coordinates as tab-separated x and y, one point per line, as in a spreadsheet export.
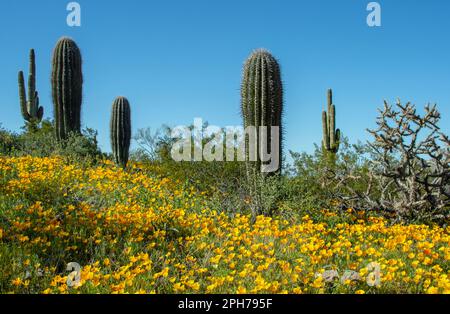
176	59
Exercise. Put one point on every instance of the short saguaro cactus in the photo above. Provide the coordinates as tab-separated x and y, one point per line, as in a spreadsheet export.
120	131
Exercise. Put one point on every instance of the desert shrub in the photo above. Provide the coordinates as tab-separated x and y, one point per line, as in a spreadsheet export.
36	140
307	173
312	179
81	147
271	192
225	182
39	140
8	141
304	188
149	143
216	176
236	197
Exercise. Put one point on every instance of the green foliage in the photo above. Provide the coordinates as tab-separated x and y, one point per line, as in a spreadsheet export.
39	141
313	185
13	262
82	147
67	83
8	141
120	128
31	111
225	183
219	177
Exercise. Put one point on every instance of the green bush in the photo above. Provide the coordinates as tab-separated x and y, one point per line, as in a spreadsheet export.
313	180
81	147
39	140
8	141
155	147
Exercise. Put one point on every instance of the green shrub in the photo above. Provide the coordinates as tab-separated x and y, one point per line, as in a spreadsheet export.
39	140
313	180
8	141
81	147
155	147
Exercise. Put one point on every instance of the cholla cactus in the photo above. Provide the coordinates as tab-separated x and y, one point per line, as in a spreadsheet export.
331	135
31	111
120	131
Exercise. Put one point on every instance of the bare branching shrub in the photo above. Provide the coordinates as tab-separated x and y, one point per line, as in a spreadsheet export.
148	142
409	168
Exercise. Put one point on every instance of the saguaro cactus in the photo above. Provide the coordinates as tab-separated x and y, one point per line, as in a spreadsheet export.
262	103
31	111
262	109
67	84
331	135
120	127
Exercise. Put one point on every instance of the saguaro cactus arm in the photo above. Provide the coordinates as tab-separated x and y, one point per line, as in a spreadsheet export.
32	83
23	98
326	137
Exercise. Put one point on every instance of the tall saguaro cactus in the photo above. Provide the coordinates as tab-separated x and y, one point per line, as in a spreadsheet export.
262	104
67	84
120	131
31	111
331	135
262	109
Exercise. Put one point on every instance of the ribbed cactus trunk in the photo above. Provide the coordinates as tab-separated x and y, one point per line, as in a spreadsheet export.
67	85
120	128
331	135
262	102
31	111
262	106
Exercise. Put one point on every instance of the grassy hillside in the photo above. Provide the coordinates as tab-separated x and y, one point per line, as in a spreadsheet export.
137	231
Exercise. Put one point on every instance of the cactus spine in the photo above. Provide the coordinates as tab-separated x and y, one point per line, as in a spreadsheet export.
67	83
120	128
262	102
31	111
331	136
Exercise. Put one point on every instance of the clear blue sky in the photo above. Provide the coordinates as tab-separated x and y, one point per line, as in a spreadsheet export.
176	60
